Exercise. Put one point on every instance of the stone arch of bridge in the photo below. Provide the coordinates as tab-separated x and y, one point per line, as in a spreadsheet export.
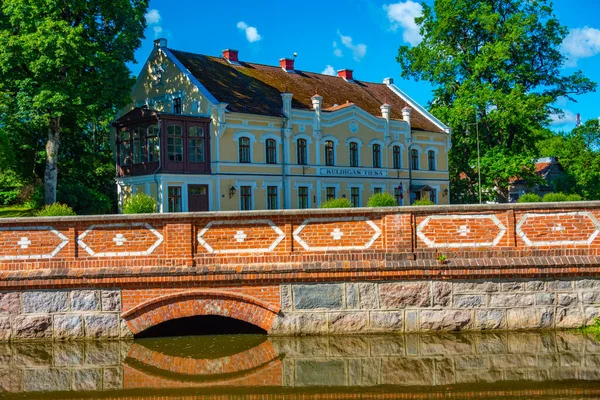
200	303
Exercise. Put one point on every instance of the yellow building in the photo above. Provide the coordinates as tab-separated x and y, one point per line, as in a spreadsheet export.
219	133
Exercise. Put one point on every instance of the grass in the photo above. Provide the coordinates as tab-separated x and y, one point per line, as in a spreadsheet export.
16	211
593	329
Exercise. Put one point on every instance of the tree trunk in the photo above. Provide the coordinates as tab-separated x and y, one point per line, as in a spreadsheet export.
51	173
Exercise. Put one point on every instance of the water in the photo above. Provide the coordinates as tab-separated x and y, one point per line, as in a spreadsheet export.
550	365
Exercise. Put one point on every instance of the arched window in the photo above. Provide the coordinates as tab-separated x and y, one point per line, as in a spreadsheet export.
431	160
175	143
414	159
396	159
153	146
270	151
376	156
196	144
244	149
301	152
329	153
353	154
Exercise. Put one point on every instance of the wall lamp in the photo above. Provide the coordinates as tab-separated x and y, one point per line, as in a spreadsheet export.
445	192
232	191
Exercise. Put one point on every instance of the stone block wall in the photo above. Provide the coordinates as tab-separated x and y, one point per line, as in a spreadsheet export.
62	315
438	360
62	367
420	306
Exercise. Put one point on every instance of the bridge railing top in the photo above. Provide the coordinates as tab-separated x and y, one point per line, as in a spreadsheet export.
436	209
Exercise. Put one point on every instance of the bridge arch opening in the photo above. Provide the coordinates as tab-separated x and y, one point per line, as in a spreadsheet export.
201	325
202	311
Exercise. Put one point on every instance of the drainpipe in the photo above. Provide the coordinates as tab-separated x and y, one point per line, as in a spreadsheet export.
283	163
406	111
160	150
286	131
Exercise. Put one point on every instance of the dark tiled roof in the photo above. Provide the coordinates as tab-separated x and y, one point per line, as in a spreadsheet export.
256	89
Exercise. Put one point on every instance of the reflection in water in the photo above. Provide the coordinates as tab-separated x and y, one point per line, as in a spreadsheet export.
490	365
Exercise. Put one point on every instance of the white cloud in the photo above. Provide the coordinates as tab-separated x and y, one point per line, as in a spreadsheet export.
358	50
402	15
581	43
328	71
251	32
153	17
336	50
569	118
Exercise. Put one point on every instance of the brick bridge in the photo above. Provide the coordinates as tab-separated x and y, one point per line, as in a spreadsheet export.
363	270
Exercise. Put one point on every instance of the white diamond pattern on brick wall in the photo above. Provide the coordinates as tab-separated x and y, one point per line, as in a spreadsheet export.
463	231
120	240
25	242
558	228
241	236
337	232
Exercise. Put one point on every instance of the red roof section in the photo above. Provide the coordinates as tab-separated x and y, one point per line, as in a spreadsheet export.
256	89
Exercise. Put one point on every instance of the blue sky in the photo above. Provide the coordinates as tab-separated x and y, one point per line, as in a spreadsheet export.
363	35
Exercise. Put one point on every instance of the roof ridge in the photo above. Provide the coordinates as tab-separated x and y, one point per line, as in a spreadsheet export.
274	66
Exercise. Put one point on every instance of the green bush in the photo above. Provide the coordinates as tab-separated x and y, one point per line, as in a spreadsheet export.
337	203
56	210
10	187
530	198
574	197
382	200
140	203
82	199
423	202
554	197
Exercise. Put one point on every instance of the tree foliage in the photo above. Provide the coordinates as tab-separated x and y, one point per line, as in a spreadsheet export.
63	68
578	152
497	62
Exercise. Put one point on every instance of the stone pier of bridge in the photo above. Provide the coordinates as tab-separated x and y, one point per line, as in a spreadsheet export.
303	272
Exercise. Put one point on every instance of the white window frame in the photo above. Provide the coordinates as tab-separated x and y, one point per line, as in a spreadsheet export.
236	139
252	185
381	150
279	186
435	157
360	188
419	154
308	143
336	143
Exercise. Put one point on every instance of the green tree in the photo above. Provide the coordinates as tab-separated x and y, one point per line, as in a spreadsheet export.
578	152
498	60
63	63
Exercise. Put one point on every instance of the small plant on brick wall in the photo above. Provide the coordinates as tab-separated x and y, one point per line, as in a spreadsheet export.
442	259
140	203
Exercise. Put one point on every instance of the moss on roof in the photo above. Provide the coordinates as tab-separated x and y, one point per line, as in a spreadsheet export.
256	89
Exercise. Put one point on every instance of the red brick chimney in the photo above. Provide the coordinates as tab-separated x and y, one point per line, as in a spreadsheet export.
230	55
287	64
346	74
